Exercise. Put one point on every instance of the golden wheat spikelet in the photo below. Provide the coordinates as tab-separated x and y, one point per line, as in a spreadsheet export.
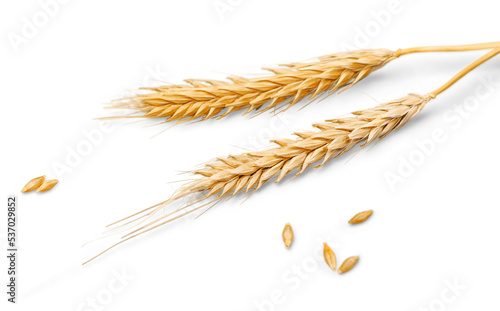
250	171
286	86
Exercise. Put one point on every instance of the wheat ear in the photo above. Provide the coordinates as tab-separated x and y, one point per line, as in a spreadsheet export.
289	84
205	99
228	176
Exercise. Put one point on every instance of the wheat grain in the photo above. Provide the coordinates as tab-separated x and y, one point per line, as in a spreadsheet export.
33	184
289	84
348	264
47	185
288	235
330	258
360	217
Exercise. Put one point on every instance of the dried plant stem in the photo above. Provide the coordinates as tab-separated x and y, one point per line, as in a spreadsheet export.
451	48
466	70
246	172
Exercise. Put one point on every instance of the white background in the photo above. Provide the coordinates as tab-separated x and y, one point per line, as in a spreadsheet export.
439	226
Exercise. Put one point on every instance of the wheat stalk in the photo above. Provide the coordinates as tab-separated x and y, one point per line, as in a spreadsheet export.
205	99
246	172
